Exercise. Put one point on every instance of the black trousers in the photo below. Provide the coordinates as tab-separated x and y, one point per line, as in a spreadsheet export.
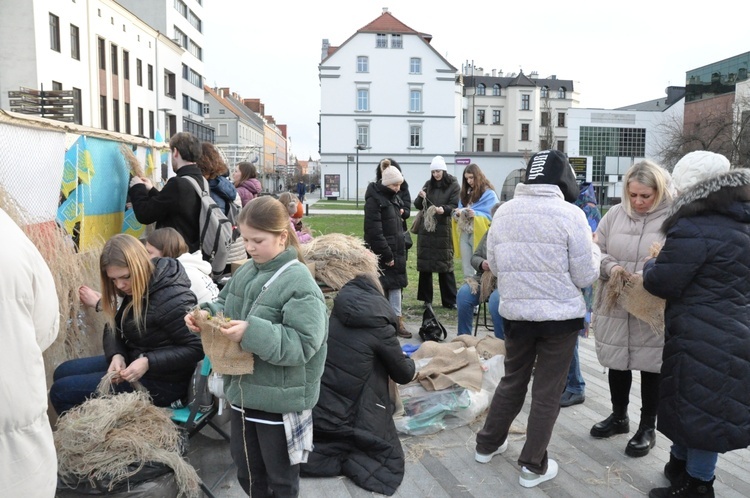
262	460
447	283
619	389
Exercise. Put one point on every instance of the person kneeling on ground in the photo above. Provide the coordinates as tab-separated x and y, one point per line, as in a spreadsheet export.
353	429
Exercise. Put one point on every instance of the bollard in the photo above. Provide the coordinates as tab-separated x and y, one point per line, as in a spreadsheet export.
307	209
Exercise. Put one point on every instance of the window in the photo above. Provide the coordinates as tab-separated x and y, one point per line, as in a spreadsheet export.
223	129
195	21
561	119
496	116
525	102
56	85
396	41
180	37
363	134
381	40
495	145
151	128
415	65
480	116
544	144
363	100
480	145
75	43
193	77
205	108
561	145
496	90
415	101
54	32
191	105
77	110
101	50
180	6
196	50
103	111
150	77
415	135
139	73
525	131
169	84
561	93
113	49
545	93
545	118
127	118
116	114
126	64
363	64
481	89
140	121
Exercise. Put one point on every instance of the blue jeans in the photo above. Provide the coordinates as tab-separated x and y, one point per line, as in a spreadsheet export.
701	464
575	384
466	302
77	380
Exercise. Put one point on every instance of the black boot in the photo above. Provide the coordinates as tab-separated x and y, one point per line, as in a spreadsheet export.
674	469
644	439
617	423
688	487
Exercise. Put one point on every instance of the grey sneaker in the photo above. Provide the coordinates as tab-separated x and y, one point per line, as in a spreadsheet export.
529	479
482	458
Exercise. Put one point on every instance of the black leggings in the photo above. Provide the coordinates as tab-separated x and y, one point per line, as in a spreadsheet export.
619	388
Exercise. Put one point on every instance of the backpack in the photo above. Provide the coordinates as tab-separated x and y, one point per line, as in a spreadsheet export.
216	230
431	329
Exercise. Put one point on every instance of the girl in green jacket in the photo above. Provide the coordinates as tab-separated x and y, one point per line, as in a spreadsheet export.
277	313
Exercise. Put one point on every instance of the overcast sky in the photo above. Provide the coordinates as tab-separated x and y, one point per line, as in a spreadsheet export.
617	53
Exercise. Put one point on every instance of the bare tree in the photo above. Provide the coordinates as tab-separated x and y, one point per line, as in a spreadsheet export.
547	128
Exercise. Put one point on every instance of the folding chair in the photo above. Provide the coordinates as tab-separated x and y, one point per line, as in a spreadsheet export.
482	311
193	420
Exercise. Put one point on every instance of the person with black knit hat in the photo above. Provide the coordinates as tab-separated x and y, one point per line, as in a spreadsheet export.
542	251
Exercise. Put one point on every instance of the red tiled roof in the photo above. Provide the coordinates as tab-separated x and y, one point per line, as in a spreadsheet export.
386	23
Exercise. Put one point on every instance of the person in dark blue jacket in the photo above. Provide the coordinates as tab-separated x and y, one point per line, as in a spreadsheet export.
703	272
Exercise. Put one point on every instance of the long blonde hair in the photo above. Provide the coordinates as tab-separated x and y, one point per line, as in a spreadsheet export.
269	215
651	175
125	251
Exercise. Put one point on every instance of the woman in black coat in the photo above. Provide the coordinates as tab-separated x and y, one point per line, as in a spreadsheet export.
435	249
353	430
703	271
403	194
146	339
384	235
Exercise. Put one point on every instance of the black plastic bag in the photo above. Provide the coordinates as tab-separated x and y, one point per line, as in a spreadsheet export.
431	329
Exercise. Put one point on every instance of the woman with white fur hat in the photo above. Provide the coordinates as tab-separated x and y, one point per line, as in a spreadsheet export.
703	271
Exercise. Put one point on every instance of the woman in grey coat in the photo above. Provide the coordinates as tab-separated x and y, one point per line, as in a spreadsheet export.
624	343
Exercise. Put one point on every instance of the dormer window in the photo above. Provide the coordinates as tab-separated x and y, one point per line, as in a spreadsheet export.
545	92
561	93
481	89
496	90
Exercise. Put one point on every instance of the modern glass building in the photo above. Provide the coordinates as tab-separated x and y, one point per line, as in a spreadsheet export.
717	78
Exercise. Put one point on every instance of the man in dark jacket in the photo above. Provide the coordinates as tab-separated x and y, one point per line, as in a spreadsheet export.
703	271
177	205
353	430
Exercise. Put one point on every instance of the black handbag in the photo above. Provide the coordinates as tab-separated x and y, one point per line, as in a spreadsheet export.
408	243
431	329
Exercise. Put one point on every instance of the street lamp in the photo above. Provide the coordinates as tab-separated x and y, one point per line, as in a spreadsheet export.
358	147
349	158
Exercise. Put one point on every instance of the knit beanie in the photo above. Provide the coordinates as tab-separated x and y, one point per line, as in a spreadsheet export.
392	176
696	167
551	167
438	163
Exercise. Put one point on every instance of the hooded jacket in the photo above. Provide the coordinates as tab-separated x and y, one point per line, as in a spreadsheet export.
199	273
29	319
222	191
540	248
249	190
353	430
703	271
172	350
435	249
622	341
383	233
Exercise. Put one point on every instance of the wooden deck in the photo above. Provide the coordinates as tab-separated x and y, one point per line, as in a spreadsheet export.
442	465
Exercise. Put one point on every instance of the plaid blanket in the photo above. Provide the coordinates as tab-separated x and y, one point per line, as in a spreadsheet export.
299	435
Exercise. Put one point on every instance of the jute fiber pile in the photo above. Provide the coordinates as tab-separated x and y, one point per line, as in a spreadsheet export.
110	437
430	222
227	357
338	258
485	285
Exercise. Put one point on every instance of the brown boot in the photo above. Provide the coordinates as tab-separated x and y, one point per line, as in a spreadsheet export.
402	332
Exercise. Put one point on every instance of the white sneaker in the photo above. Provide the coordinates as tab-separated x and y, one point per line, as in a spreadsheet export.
529	479
482	458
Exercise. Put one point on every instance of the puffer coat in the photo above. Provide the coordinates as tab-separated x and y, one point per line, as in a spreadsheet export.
703	272
435	249
353	430
622	341
172	350
384	234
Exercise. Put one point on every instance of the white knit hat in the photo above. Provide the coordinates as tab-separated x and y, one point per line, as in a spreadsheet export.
696	167
438	163
392	176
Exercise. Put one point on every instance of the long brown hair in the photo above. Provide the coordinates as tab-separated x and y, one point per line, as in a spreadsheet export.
168	241
210	162
269	215
125	251
471	195
247	171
